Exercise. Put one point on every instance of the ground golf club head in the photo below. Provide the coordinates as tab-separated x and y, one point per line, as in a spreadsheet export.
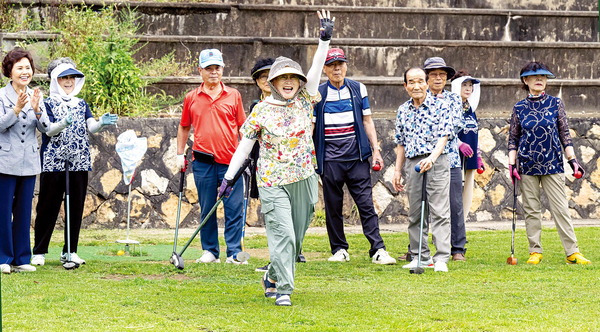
511	260
70	265
242	256
176	260
417	270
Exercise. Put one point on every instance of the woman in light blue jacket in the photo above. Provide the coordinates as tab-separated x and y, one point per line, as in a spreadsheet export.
21	112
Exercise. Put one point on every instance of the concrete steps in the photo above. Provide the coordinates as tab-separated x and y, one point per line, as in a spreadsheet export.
492	39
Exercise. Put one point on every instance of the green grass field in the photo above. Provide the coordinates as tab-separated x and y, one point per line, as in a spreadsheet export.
137	293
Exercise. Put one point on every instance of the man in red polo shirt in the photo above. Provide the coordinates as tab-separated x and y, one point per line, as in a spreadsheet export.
216	113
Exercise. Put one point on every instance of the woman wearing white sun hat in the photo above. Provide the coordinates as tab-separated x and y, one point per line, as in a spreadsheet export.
288	187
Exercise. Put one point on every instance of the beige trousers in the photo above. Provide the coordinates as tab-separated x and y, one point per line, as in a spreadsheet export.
554	187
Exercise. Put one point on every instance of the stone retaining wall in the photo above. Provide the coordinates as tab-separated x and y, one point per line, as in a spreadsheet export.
154	189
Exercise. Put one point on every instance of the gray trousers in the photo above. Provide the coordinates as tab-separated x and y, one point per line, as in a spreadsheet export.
554	187
438	203
288	210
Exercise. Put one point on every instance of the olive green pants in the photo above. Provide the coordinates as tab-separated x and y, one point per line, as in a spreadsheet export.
288	210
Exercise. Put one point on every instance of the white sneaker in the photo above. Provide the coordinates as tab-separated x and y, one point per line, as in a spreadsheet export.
340	256
231	260
428	263
208	257
5	268
74	258
38	259
382	257
440	266
24	268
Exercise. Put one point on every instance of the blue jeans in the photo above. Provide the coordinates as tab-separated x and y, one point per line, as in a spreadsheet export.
16	197
208	178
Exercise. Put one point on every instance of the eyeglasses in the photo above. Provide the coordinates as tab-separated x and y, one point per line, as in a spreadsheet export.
70	77
263	77
440	75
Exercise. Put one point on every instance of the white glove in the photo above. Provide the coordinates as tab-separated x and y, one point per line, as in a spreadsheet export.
180	161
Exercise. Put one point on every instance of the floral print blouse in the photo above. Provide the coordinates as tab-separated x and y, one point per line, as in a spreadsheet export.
284	132
539	131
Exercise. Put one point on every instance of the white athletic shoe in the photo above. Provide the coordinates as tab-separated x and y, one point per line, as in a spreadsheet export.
340	256
74	258
440	266
413	264
382	257
231	260
208	257
39	260
24	268
5	268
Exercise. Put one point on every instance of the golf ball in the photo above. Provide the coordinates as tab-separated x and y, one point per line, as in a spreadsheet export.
120	253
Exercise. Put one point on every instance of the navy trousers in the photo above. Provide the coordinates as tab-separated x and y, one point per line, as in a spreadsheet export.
356	176
208	178
458	234
16	196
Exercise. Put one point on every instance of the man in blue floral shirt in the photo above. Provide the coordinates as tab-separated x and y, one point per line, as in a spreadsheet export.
437	75
423	127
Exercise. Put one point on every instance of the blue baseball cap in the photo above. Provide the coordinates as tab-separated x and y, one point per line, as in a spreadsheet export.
71	72
211	57
538	72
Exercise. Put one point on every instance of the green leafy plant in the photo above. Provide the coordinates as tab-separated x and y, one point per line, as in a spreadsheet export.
319	218
103	44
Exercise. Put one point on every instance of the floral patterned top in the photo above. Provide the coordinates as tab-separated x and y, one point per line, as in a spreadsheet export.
284	132
538	131
458	122
418	129
73	142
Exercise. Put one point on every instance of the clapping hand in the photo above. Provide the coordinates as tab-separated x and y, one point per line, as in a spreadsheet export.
326	24
35	100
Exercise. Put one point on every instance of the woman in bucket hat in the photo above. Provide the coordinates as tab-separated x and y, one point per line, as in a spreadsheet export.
539	131
288	187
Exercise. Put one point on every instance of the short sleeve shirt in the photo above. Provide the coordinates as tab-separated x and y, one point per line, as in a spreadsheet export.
71	143
458	123
216	122
284	132
340	134
419	129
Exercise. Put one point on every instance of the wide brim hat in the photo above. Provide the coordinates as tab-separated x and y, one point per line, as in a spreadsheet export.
282	66
438	63
539	71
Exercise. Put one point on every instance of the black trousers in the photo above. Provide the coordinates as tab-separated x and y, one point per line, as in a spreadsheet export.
357	177
51	197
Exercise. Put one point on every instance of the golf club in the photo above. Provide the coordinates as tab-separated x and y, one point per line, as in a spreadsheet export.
69	264
243	256
512	260
419	269
176	259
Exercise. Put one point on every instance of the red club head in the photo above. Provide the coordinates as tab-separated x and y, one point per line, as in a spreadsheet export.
578	175
480	170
